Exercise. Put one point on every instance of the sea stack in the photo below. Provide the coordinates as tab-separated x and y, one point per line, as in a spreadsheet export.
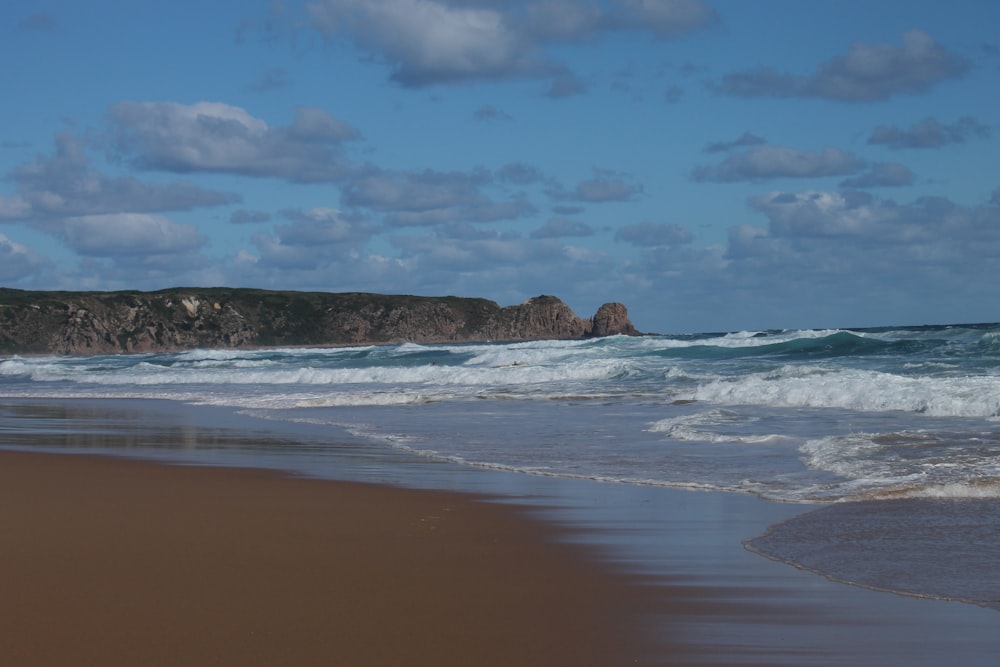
612	319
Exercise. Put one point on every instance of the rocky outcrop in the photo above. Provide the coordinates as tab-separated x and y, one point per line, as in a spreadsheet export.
186	318
612	319
542	317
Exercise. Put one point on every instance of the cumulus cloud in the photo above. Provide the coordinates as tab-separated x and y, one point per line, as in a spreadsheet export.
827	259
136	234
929	133
519	173
322	226
813	214
742	141
897	255
14	207
867	73
18	262
443	251
217	137
482	211
314	239
881	175
428	42
293	258
413	191
766	162
66	184
665	18
559	227
431	197
652	234
929	226
559	20
606	186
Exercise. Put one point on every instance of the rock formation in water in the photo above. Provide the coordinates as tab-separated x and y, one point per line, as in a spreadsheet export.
189	318
612	319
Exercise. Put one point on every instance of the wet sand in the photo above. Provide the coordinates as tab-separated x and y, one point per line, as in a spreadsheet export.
110	561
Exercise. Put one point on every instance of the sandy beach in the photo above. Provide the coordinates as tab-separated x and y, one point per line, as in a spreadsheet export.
159	533
110	561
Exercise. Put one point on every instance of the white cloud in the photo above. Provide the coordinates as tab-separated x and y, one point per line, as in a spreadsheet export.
828	259
929	133
66	184
315	239
866	73
883	174
563	20
812	214
438	251
133	234
19	262
929	226
606	186
217	137
560	227
14	208
432	197
428	42
652	234
322	226
414	191
742	141
666	18
767	162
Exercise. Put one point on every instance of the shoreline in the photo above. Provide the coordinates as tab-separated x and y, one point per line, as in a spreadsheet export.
701	598
115	561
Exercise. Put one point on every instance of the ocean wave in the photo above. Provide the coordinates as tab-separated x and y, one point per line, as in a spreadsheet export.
970	489
708	426
919	463
856	389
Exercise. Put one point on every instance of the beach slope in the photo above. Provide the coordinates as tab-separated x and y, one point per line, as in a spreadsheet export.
111	561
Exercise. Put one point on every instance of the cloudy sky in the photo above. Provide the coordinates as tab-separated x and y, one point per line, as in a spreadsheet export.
715	165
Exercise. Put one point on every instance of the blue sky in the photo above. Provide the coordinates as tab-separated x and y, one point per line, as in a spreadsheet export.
718	165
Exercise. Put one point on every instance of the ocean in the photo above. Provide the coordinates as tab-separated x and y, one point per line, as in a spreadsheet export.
882	444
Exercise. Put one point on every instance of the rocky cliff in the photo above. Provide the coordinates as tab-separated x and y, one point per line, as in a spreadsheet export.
188	318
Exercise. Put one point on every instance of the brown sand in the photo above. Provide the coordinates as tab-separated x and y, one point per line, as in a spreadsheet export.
109	562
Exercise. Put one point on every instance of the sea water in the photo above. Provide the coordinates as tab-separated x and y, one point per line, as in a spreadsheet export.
893	432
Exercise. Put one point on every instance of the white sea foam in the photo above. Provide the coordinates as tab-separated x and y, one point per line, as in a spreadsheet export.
974	489
909	464
705	427
708	411
854	389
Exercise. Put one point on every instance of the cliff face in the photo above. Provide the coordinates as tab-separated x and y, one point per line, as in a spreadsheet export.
188	318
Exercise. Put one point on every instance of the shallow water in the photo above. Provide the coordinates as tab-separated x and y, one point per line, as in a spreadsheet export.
737	608
831	417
